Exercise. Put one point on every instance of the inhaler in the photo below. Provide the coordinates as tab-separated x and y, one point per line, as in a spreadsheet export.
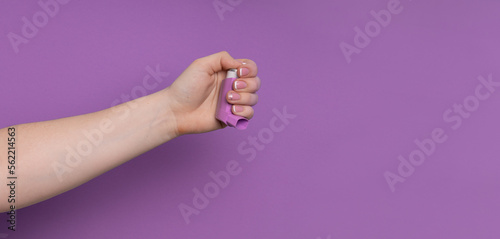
224	113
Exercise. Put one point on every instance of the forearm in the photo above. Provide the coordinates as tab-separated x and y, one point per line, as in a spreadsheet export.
55	156
58	155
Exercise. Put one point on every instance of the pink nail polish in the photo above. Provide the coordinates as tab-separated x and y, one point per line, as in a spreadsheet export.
244	71
239	85
237	108
234	96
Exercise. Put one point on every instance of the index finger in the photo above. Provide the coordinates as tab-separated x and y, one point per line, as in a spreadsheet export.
248	69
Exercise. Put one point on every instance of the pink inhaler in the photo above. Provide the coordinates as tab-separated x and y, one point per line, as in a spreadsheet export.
223	112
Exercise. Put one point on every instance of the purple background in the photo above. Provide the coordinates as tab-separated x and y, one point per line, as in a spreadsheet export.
323	174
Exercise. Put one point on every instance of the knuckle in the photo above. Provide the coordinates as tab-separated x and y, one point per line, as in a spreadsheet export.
251	112
257	83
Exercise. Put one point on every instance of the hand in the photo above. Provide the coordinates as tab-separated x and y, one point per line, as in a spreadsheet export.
195	92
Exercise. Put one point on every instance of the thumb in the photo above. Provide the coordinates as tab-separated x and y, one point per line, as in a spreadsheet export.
218	62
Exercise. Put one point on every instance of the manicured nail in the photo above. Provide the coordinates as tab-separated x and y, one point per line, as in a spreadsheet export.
244	71
238	85
237	108
234	96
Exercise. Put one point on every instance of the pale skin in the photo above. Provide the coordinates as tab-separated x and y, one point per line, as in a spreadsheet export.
186	107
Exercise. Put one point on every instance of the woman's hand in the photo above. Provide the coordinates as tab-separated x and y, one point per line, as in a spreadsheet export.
194	94
64	153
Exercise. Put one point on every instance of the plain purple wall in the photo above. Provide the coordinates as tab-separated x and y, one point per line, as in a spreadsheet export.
322	176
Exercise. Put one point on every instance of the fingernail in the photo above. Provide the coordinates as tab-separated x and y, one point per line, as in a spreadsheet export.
238	85
237	108
244	63
244	71
234	96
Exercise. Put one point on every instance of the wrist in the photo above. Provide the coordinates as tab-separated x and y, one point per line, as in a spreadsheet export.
174	111
163	120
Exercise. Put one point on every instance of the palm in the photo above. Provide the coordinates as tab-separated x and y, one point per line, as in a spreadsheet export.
195	94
